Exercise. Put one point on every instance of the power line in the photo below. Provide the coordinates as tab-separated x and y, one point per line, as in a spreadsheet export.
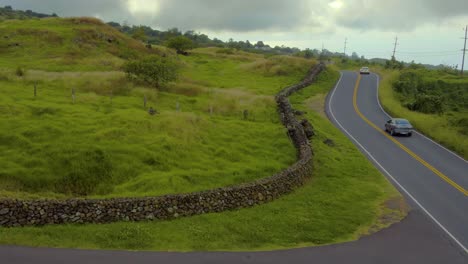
428	52
464	50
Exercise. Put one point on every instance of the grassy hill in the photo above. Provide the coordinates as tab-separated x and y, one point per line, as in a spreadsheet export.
105	144
72	44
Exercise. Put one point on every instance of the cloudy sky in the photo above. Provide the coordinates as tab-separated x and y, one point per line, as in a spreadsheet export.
429	31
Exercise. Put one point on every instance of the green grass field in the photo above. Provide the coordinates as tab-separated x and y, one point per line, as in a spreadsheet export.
105	144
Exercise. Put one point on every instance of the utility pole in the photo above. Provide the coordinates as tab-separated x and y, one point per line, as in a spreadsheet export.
394	47
322	47
345	43
464	50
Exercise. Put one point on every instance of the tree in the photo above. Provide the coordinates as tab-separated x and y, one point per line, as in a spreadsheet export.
155	71
260	44
308	54
140	34
181	44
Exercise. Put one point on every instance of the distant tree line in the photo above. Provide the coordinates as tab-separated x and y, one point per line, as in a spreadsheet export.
8	12
158	37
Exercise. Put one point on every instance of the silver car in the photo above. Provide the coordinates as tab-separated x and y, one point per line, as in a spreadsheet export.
399	126
364	70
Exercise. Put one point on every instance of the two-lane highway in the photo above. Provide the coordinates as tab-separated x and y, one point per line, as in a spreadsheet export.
433	179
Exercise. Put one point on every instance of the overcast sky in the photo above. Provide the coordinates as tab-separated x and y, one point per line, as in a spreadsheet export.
429	31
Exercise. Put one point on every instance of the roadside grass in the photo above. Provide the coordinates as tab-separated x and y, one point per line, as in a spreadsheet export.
345	199
440	127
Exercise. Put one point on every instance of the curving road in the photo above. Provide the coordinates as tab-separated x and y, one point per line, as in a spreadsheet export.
433	179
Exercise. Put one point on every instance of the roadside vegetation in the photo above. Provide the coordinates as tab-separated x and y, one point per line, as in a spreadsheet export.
435	101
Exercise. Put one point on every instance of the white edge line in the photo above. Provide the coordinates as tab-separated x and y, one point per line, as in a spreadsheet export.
383	110
387	173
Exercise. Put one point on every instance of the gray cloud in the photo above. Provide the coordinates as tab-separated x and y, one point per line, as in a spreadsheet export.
398	15
240	15
237	15
258	15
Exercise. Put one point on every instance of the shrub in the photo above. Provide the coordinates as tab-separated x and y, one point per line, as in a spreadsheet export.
181	44
20	72
428	104
154	71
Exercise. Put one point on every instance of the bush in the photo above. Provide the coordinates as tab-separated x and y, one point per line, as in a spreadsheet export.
20	72
428	104
181	44
154	71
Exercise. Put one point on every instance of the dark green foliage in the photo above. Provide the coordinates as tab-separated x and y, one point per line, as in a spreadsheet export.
83	171
139	34
461	123
428	104
181	44
155	71
8	12
308	54
394	64
430	91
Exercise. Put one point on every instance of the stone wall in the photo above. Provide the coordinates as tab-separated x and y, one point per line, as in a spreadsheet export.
40	212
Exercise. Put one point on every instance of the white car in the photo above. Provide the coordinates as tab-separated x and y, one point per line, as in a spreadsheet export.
364	70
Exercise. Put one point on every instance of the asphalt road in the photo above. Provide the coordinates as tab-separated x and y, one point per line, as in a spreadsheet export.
433	179
435	231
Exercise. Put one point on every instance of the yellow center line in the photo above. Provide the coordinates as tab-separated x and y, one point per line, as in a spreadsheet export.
416	157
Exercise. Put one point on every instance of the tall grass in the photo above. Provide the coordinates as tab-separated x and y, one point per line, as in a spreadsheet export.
206	143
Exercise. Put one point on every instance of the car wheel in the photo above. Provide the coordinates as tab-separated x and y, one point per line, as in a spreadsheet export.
391	132
410	134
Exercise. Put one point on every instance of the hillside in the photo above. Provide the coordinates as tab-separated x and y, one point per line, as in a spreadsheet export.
72	44
106	144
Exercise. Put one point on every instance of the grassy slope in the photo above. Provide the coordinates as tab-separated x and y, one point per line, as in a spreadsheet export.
168	153
49	142
346	198
437	127
74	44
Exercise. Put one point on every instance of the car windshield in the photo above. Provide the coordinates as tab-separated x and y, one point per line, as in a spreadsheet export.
402	122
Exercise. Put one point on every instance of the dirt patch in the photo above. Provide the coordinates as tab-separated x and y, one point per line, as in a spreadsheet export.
392	211
317	103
